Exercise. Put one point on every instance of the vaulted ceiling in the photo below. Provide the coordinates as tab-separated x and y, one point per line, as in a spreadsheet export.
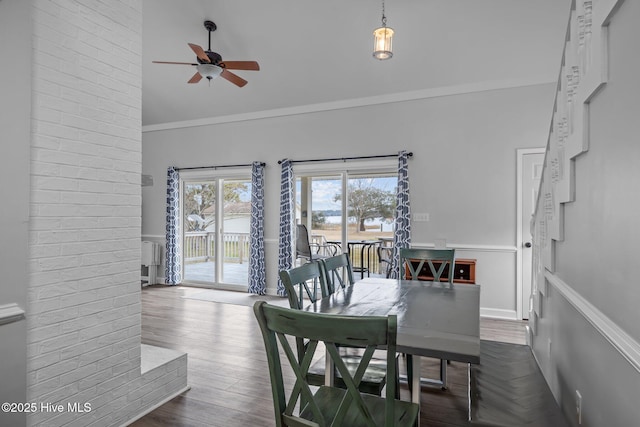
317	52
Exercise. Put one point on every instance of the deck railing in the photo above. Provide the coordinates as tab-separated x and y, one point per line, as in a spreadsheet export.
362	255
199	246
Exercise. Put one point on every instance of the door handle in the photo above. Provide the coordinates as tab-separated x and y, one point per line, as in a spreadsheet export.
527	245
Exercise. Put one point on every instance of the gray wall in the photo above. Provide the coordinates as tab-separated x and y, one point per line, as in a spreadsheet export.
15	115
463	172
594	308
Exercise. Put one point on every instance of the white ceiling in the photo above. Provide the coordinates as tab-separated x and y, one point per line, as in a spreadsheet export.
313	52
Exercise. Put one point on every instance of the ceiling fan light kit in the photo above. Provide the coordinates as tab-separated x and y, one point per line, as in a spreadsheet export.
383	39
210	64
209	71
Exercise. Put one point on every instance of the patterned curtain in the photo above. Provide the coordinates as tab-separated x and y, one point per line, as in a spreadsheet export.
285	249
257	276
173	267
402	227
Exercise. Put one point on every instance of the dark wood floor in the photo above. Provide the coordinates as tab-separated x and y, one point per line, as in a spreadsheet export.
228	371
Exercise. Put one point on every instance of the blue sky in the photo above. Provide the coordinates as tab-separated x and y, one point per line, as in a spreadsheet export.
324	190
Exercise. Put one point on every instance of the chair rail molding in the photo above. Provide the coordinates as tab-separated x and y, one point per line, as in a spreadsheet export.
628	347
10	313
470	247
153	236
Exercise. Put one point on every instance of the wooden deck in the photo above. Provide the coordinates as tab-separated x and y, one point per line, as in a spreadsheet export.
228	369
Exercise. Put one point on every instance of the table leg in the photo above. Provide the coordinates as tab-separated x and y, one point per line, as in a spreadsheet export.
415	384
329	376
443	373
469	391
415	379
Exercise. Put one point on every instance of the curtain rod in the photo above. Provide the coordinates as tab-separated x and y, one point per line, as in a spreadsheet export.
344	159
218	167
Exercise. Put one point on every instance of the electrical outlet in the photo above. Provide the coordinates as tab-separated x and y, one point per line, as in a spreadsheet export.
421	217
579	407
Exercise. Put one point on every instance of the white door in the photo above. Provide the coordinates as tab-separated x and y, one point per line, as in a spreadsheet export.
530	171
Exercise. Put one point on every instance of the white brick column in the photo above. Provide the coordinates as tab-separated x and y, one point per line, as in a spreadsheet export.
84	292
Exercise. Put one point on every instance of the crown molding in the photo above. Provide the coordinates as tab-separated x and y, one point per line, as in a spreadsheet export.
349	103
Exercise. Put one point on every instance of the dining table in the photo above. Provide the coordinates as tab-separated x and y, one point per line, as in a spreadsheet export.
434	319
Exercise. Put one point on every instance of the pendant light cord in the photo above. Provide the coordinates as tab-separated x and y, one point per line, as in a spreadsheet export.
384	18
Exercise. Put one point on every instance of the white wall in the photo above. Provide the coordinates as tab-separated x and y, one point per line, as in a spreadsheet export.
84	246
15	114
463	172
589	312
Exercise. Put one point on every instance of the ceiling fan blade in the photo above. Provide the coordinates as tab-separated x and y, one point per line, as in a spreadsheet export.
169	62
240	65
233	78
196	78
199	52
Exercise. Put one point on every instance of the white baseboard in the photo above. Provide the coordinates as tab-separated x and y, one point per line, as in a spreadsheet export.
497	313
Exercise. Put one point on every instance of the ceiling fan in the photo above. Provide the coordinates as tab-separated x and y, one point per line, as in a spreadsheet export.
211	65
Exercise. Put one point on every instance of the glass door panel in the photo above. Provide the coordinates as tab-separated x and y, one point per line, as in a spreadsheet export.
370	213
199	225
370	206
319	207
236	225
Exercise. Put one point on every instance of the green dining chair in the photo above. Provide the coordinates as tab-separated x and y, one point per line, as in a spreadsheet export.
309	278
412	263
299	405
375	377
337	272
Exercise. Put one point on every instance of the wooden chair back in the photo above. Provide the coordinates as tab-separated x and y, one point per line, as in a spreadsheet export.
337	272
329	406
412	260
308	278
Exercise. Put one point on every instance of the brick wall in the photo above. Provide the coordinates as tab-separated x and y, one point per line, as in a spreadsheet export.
84	291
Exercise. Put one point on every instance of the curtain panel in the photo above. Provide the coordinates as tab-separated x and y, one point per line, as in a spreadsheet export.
402	225
257	270
173	266
285	246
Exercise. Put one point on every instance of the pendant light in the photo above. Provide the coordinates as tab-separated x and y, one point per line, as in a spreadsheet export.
383	39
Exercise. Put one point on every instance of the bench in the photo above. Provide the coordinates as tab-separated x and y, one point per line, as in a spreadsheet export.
508	389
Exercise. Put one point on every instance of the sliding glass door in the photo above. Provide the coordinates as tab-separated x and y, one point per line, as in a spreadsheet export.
348	212
217	213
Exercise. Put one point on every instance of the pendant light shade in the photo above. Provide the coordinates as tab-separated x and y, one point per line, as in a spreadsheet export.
383	39
383	43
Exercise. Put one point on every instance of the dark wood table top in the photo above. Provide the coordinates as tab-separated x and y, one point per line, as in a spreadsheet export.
434	320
